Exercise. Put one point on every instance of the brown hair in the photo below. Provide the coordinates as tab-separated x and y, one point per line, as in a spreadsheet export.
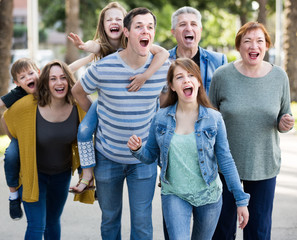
105	47
20	65
137	11
248	27
43	94
190	66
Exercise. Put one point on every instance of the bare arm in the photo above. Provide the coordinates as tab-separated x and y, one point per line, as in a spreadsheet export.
89	46
81	62
160	56
81	96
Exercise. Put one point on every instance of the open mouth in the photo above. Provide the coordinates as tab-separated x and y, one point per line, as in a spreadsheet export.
114	29
253	55
59	90
189	37
31	85
144	42
188	91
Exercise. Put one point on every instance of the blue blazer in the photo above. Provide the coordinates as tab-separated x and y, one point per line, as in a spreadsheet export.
209	62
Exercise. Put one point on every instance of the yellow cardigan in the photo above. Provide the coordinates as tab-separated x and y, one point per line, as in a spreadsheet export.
20	119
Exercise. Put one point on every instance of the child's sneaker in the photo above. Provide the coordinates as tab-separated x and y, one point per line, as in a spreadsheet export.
15	210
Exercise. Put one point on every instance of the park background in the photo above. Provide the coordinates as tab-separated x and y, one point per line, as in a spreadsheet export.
220	19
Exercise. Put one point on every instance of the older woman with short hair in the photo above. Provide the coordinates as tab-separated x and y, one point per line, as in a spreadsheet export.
254	99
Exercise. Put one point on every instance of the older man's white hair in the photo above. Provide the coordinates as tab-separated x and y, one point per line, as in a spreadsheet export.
183	10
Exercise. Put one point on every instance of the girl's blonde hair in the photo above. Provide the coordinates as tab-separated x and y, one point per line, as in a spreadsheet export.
105	47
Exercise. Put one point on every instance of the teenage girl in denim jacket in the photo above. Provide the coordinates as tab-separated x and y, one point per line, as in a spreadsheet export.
189	139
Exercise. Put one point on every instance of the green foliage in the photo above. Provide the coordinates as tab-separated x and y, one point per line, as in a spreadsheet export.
19	30
4	142
294	112
219	29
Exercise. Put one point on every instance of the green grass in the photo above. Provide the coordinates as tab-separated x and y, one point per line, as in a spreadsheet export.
4	141
294	112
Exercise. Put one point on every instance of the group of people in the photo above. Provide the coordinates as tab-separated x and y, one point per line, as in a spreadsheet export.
219	155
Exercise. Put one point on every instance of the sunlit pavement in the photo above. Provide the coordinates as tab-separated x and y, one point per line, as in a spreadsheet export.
82	222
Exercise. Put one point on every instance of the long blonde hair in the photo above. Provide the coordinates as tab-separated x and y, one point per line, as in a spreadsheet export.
105	47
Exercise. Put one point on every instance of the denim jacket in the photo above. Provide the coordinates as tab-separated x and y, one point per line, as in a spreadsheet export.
209	62
212	147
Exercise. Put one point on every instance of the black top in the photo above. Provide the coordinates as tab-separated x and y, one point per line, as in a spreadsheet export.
14	95
53	143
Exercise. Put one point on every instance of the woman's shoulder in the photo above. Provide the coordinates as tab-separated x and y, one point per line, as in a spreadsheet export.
24	102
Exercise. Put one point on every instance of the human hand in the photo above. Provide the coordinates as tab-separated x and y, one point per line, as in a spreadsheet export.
134	143
75	39
88	46
286	122
243	216
137	82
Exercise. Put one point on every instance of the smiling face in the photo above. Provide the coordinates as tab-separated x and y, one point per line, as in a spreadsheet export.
27	80
58	84
187	31
185	84
113	23
253	47
141	34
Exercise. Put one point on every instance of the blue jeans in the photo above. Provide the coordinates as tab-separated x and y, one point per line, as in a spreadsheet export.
43	217
141	180
85	133
12	163
177	214
260	211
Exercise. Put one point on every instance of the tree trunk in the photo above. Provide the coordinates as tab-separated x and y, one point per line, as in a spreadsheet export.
262	12
72	25
6	31
262	19
290	45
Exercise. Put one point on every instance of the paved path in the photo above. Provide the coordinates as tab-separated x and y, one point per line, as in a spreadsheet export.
82	222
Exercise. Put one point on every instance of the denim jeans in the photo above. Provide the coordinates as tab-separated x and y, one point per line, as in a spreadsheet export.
85	133
43	217
177	214
12	163
260	211
141	180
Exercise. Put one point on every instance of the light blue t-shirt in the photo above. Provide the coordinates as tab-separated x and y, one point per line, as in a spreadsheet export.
184	175
122	113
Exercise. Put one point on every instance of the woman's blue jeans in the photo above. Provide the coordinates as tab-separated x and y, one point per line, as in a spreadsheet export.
12	163
85	133
43	217
177	214
141	180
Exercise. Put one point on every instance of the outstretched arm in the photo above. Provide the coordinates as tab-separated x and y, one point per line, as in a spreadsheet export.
160	56
81	62
89	46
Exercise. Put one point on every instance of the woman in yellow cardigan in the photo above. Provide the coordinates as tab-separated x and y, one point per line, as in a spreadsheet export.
45	126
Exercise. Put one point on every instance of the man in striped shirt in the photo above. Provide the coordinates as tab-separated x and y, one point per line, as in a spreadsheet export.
121	114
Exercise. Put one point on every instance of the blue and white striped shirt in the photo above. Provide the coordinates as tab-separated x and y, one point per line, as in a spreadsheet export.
122	113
